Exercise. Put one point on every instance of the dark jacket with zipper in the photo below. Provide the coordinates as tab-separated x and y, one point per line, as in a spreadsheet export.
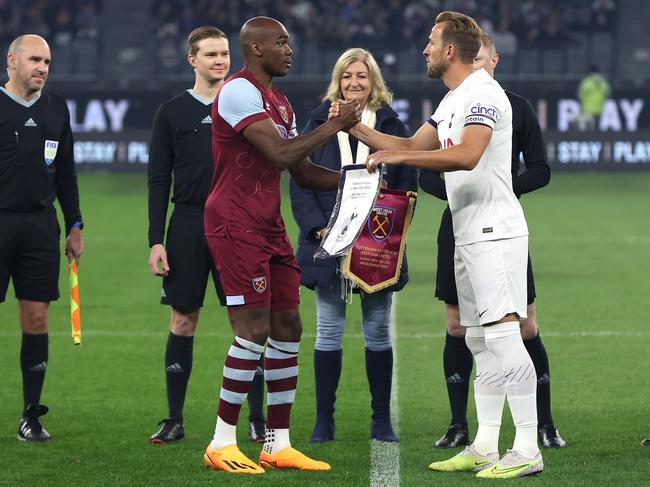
312	209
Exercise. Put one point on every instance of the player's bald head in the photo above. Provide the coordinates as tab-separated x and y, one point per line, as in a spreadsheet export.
260	30
26	41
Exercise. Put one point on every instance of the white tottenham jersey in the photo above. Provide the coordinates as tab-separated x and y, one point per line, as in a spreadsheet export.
482	202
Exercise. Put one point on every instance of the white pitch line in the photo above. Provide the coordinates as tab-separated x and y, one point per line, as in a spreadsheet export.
384	457
358	336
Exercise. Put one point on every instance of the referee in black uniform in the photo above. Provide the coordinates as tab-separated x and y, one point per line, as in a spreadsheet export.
36	166
457	359
181	143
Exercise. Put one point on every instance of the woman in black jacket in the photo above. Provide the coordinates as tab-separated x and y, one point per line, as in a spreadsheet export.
356	75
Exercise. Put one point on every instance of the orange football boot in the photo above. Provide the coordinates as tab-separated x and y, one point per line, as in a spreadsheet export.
291	458
230	459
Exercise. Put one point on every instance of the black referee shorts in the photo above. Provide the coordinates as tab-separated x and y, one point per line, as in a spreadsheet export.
30	254
445	278
189	260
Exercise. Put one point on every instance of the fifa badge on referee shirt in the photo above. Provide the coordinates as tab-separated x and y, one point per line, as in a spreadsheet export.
259	284
51	146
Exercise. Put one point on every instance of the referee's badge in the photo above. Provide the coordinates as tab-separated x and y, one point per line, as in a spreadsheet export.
51	147
259	284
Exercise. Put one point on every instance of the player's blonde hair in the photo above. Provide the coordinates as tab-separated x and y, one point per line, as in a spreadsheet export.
200	33
379	92
463	32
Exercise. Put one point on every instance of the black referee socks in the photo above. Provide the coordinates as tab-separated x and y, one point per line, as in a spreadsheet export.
33	363
457	362
178	366
539	357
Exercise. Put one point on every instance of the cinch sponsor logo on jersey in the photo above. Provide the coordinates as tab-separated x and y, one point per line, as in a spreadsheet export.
207	119
488	110
30	123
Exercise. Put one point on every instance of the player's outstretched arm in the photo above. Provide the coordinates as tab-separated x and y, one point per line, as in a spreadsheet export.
461	157
426	138
311	176
288	152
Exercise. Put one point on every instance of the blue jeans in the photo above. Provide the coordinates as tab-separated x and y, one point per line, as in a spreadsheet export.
330	319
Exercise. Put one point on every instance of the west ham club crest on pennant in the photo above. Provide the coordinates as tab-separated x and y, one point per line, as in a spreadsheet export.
380	222
284	113
259	284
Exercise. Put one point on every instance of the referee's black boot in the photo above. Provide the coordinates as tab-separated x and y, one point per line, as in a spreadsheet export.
550	437
30	427
172	429
257	430
457	435
379	369
327	372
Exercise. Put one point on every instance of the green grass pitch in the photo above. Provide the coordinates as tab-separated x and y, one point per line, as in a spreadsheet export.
590	244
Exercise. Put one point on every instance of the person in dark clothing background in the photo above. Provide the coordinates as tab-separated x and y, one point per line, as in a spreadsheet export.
355	76
457	359
181	145
36	167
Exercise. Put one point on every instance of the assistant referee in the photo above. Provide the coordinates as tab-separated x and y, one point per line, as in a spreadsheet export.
457	359
181	144
36	167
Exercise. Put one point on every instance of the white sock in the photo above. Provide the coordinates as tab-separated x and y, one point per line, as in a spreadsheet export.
489	392
224	434
504	340
276	440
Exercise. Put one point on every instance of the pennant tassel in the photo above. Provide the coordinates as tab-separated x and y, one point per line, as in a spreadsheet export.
375	262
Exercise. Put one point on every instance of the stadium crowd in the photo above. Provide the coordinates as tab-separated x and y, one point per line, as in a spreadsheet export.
510	22
60	21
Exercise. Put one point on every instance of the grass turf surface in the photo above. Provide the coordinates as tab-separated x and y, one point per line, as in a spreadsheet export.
590	244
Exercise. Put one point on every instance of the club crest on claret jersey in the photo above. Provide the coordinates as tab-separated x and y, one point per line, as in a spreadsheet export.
284	113
259	284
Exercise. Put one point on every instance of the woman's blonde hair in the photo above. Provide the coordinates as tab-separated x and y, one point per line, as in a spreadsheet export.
379	92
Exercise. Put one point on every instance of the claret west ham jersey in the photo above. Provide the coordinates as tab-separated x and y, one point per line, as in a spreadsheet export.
245	190
482	202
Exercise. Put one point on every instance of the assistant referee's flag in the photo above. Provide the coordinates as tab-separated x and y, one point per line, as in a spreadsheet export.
75	317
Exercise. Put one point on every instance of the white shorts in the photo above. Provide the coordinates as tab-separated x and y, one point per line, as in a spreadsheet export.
491	280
